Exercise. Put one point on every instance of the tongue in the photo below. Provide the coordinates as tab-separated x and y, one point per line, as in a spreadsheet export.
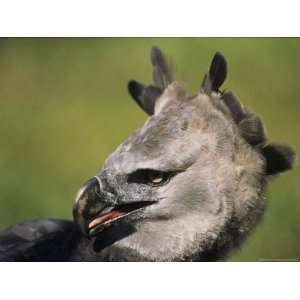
112	215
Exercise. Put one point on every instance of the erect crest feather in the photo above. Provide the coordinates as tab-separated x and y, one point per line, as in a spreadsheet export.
279	158
216	75
146	96
153	98
162	73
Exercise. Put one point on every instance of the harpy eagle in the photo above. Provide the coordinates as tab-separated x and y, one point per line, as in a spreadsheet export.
187	186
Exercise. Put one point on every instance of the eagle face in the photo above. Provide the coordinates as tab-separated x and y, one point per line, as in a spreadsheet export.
172	181
188	185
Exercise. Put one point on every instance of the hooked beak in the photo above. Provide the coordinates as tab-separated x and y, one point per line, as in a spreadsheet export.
96	209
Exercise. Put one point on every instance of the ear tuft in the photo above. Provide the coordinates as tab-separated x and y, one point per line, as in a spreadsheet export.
279	158
216	75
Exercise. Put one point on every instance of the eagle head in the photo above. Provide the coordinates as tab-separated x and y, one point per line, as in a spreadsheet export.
190	183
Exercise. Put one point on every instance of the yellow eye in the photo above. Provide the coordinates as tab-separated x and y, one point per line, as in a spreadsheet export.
156	178
151	177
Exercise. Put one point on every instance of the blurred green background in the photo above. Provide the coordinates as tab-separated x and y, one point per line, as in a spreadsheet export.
64	108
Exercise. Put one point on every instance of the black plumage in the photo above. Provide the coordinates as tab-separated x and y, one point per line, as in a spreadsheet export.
39	240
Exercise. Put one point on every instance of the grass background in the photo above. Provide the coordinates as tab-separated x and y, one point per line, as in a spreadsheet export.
64	107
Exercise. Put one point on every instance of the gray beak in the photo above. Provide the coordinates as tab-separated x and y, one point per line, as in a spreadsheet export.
96	209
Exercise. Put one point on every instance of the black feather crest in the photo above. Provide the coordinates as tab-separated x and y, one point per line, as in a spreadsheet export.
279	158
162	73
252	130
216	75
146	96
233	103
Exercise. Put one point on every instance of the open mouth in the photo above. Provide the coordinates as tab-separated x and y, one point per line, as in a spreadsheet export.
113	213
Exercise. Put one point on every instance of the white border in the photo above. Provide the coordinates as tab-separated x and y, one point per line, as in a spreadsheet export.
149	281
149	18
